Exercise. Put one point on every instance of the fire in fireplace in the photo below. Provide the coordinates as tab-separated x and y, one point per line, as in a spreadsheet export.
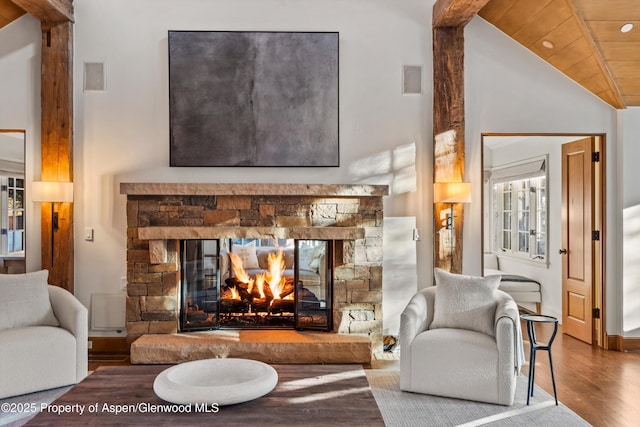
256	283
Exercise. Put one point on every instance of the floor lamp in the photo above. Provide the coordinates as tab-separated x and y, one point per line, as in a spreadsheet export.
52	192
451	193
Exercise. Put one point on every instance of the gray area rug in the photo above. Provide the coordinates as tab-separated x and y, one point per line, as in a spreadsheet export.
401	408
16	411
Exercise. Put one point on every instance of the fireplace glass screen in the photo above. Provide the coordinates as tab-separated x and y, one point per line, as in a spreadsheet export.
256	283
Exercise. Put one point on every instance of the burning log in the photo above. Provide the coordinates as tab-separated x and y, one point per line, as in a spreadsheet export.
282	306
228	305
260	305
308	299
236	289
260	290
232	282
243	291
287	289
255	293
268	294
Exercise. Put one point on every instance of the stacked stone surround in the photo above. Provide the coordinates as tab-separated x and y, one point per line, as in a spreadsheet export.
159	215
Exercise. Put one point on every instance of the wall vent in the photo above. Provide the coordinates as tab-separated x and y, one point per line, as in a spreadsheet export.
411	79
94	77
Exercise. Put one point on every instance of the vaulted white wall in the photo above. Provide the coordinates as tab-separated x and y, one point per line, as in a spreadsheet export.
628	178
122	134
510	90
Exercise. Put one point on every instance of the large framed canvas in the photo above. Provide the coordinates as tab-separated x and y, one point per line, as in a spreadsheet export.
253	98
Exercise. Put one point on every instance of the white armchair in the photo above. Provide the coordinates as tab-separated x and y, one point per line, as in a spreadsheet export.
43	335
445	358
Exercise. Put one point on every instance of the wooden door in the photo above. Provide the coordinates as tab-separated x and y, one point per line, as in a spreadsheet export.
577	226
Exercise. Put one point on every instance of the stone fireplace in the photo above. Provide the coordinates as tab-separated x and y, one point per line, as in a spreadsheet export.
256	284
162	215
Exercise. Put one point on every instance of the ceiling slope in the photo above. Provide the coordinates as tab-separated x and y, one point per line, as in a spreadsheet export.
581	38
9	12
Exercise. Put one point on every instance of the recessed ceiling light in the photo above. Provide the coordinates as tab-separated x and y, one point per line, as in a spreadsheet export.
626	27
547	44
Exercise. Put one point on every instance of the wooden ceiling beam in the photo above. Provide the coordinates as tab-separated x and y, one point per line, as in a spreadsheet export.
48	10
455	13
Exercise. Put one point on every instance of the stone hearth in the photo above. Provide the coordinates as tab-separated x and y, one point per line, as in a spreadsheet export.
159	215
271	346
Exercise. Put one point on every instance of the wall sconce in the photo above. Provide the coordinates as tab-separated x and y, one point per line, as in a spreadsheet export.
451	193
52	192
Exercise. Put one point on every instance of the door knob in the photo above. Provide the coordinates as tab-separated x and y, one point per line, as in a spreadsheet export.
562	251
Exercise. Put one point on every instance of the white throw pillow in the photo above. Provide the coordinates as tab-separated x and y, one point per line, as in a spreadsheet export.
247	254
491	261
24	300
307	257
465	302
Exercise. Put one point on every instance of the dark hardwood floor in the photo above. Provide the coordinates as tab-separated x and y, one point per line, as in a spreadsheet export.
95	361
601	386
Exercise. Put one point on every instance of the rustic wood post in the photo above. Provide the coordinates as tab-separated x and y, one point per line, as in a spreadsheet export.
448	130
449	20
57	147
56	18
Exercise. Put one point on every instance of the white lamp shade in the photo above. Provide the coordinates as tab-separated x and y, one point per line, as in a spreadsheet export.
51	191
452	192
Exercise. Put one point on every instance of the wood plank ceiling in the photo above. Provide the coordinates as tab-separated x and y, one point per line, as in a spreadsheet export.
9	12
581	38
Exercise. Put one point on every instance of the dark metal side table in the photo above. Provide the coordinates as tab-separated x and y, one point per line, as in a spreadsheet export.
531	320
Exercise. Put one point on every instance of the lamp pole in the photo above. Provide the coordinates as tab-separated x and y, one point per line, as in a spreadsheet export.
54	225
451	193
52	192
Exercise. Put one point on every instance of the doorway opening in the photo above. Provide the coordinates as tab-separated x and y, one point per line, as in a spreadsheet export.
536	222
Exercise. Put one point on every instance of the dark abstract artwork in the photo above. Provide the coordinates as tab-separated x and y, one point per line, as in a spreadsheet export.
253	98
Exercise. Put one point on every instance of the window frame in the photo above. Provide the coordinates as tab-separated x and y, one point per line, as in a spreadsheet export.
536	202
9	226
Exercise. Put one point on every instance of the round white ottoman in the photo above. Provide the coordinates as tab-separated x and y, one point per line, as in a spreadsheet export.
215	381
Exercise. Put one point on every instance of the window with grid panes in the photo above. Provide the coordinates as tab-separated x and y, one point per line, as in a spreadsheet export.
520	217
12	214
